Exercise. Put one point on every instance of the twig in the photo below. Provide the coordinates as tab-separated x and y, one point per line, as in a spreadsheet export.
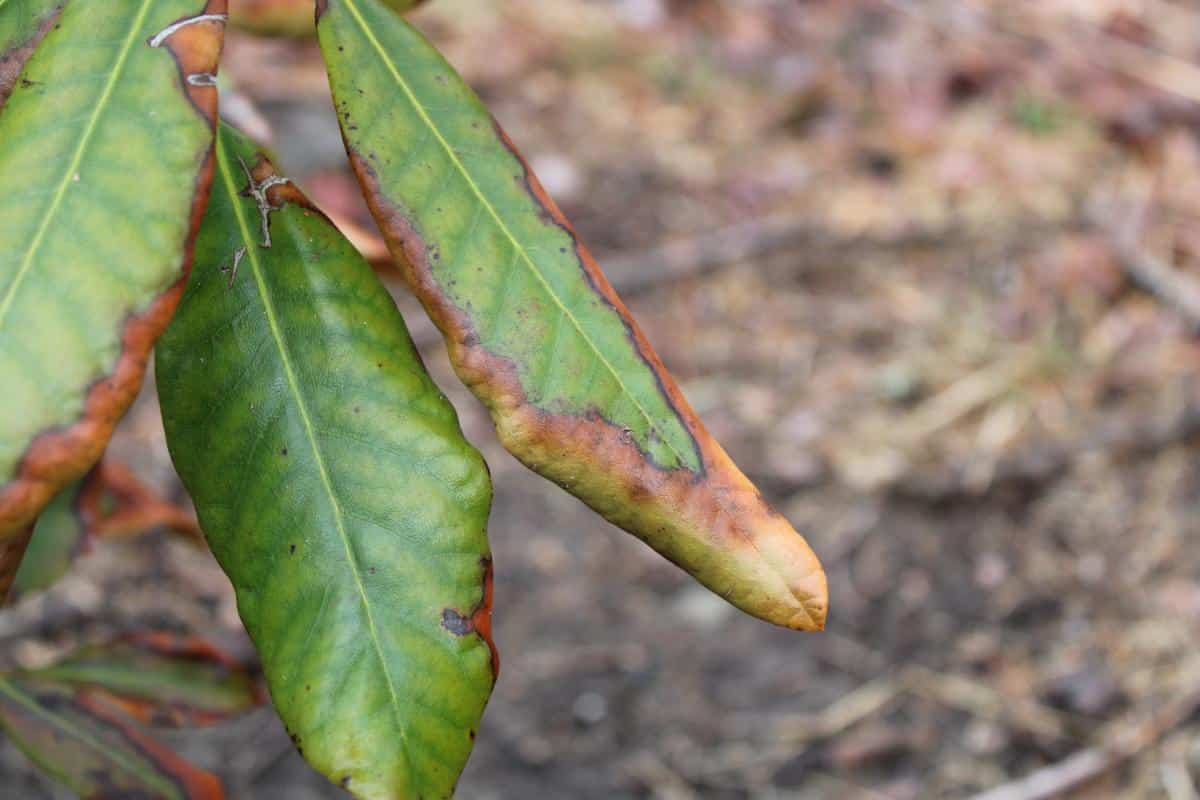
1173	772
1124	437
983	701
1173	287
788	733
1091	763
965	396
701	254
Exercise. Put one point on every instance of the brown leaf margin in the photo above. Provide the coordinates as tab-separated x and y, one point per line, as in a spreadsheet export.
55	458
12	61
180	647
42	698
194	782
714	524
292	18
137	509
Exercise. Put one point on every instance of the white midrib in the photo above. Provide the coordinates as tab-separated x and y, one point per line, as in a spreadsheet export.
352	7
76	159
310	432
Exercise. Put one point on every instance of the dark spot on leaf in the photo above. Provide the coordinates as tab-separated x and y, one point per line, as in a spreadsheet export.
455	622
292	549
283	452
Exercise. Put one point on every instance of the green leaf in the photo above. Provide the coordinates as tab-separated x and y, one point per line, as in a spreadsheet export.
163	679
109	502
23	23
83	741
58	537
534	328
335	489
105	160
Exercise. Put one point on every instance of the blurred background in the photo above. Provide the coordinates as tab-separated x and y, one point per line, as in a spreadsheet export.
931	272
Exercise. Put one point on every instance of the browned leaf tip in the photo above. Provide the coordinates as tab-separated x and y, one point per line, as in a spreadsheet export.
779	578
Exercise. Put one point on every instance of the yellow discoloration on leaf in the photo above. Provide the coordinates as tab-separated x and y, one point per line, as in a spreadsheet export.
536	331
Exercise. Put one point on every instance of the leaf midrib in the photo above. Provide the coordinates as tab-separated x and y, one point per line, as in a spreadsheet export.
352	6
76	159
256	268
65	724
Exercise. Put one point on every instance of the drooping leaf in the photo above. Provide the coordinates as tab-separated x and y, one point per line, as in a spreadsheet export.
162	679
534	328
105	160
85	742
335	489
23	23
288	17
109	501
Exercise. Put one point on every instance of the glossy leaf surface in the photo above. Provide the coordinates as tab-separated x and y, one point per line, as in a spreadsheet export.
85	742
163	679
105	147
334	487
534	328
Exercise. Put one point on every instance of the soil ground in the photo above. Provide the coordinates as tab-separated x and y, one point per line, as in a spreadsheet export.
910	248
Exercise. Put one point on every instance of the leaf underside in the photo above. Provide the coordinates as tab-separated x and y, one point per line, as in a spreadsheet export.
162	679
109	502
104	166
534	328
335	489
58	536
84	741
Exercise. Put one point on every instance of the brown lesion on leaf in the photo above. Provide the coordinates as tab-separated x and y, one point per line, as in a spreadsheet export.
12	61
12	550
479	621
195	43
57	457
270	192
713	523
257	190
